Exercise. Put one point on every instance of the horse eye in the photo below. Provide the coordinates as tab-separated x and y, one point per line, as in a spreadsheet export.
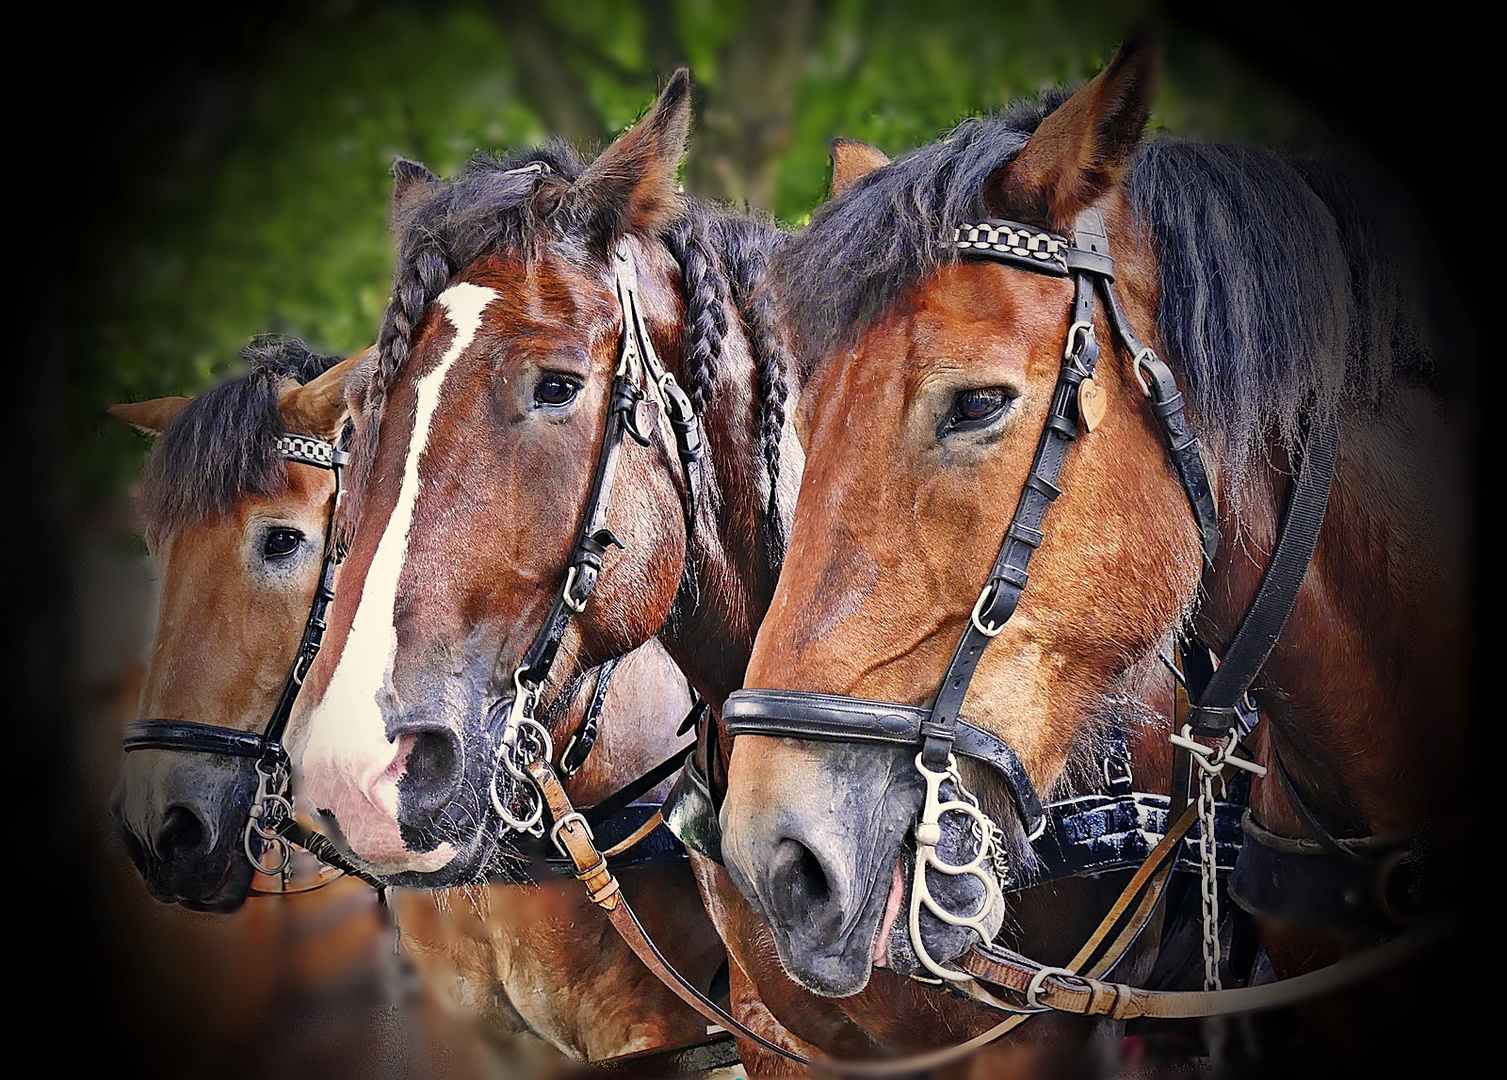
556	390
280	543
976	408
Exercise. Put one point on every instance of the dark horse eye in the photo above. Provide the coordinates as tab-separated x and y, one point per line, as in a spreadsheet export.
556	390
280	543
976	408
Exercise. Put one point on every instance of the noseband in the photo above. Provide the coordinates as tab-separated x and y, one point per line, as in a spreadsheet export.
271	815
939	733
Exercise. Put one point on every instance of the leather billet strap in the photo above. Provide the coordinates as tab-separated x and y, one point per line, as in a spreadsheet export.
578	747
789	714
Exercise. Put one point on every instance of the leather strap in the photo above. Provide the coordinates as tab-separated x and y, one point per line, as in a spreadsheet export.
1216	710
188	735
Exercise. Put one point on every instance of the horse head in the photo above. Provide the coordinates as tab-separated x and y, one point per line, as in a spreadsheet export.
501	364
237	531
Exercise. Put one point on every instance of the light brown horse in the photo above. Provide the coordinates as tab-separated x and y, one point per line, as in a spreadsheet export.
236	534
928	383
486	416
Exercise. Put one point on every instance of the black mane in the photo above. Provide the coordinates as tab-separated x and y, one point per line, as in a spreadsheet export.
501	204
222	445
1278	288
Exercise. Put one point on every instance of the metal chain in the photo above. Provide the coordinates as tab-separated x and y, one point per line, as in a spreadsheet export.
1208	872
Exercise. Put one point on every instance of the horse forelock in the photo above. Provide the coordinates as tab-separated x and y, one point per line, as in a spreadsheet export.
223	445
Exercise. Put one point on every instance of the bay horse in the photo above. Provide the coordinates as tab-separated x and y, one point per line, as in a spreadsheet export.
509	362
235	528
932	351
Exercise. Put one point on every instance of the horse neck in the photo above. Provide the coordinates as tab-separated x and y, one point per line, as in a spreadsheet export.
1365	690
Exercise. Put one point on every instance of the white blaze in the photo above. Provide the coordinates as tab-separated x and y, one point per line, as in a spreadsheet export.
349	766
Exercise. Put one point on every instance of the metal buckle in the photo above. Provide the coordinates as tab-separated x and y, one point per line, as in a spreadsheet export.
570	583
993	629
1073	356
1140	361
554	831
1034	987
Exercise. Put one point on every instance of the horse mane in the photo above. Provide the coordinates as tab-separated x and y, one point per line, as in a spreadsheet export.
223	444
500	203
1284	284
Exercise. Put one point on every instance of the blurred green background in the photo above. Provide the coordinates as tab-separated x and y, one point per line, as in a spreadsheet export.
247	154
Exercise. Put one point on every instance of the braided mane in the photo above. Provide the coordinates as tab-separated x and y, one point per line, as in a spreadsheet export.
510	203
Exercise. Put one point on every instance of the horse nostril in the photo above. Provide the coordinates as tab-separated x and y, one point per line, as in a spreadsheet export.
433	770
798	878
182	834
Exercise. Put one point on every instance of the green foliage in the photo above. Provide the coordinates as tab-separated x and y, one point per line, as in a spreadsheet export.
260	203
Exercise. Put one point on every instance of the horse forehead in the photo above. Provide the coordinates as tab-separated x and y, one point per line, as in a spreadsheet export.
548	294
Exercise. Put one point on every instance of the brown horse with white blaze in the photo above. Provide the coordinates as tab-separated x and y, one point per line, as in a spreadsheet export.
944	369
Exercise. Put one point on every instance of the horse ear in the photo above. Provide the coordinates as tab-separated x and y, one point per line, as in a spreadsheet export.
149	416
318	407
1082	149
852	161
412	182
630	187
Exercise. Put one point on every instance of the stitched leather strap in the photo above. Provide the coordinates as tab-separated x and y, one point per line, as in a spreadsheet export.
796	714
1217	710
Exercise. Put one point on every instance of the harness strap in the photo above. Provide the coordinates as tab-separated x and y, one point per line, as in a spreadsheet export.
1217	710
578	746
189	735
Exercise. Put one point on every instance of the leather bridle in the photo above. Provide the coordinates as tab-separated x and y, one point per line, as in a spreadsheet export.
270	821
640	387
939	733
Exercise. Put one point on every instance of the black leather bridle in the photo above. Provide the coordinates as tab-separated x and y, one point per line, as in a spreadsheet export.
639	387
270	818
939	731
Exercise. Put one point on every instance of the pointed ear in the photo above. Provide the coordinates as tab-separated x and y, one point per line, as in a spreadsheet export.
318	407
852	161
412	183
630	188
1082	149
149	416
